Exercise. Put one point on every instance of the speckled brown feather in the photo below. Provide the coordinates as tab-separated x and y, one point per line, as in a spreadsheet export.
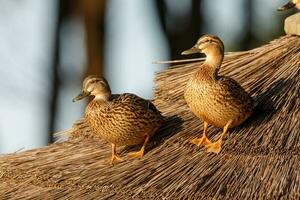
217	99
124	120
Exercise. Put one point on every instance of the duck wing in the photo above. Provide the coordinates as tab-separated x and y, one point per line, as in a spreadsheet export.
136	101
235	94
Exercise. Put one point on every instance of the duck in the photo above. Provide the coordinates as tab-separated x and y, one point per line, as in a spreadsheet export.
289	5
120	119
217	100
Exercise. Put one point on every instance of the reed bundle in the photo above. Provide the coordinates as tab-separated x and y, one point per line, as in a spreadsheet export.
260	159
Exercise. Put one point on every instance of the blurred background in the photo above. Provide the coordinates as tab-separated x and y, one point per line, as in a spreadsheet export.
48	47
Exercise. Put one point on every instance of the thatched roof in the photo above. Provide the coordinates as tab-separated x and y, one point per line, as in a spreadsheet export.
260	159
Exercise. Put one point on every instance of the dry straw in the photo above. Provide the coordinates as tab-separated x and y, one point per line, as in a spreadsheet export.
260	159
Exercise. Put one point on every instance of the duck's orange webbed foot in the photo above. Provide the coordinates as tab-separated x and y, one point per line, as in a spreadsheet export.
214	147
115	158
200	141
140	153
137	154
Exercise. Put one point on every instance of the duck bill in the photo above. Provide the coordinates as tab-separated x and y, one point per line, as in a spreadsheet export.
191	51
80	96
287	6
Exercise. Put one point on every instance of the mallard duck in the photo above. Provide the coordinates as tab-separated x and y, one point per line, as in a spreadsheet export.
215	99
289	5
124	119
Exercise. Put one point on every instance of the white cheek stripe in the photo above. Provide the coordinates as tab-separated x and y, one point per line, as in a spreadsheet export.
90	89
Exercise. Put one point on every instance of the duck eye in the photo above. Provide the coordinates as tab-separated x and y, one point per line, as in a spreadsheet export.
101	83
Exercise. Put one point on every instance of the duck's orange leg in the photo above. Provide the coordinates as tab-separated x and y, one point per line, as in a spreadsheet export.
202	140
141	152
114	155
216	146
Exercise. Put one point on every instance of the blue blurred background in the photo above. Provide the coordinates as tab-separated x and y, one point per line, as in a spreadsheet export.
48	47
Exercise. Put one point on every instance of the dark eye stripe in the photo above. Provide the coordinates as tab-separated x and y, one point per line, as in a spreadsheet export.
98	81
93	79
206	40
90	81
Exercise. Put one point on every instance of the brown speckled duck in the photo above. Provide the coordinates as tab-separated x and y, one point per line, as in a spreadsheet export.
217	100
289	5
124	119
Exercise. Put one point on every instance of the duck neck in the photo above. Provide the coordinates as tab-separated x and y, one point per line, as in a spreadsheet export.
213	62
103	97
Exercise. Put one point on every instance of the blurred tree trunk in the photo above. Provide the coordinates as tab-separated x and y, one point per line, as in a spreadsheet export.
186	29
93	15
249	39
54	90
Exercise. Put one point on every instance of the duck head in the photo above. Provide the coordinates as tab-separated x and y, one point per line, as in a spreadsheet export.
94	86
206	44
289	5
212	46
